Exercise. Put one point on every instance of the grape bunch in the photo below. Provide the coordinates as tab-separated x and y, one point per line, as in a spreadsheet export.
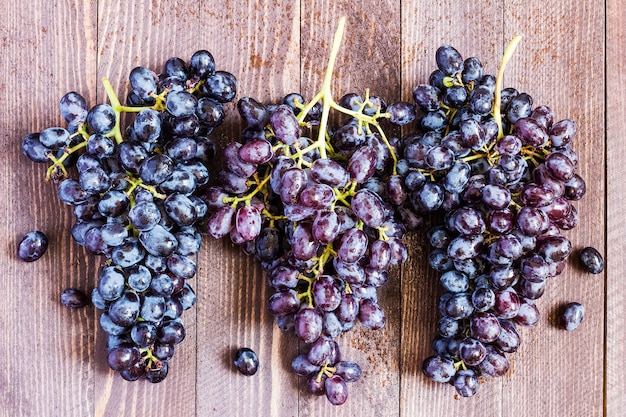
503	175
316	205
134	188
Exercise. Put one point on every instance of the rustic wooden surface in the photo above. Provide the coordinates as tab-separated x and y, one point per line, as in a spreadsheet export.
572	57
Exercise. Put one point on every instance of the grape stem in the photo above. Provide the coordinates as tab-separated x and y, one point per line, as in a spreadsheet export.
326	97
233	201
325	370
508	53
118	108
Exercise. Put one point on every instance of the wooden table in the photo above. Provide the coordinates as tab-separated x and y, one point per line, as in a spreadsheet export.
52	360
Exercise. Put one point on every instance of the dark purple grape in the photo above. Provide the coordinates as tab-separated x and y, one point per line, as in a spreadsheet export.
484	327
283	303
531	132
303	244
248	222
455	96
439	369
570	316
100	119
362	164
210	113
554	248
426	97
123	357
401	113
221	86
201	64
592	260
532	221
562	132
528	314
507	303
176	67
536	195
336	390
308	324
73	108
316	384
171	332
370	315
159	374
54	137
449	60
439	158
495	363
352	246
323	350
575	188
348	370
317	196
559	166
508	340
74	298
285	125
158	241
302	366
466	382
472	351
544	116
326	293
32	246
327	171
34	149
519	107
246	361
429	197
124	311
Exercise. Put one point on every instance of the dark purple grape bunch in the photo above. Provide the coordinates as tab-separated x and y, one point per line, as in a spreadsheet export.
316	205
504	176
134	189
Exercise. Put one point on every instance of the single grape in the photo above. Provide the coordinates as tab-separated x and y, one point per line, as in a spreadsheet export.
74	298
32	246
570	316
246	361
592	260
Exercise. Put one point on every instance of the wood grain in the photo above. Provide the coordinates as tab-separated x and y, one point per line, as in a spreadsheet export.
52	360
615	245
423	32
574	58
368	58
46	359
232	292
123	31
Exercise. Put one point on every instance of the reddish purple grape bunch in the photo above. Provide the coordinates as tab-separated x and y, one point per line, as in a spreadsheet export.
316	206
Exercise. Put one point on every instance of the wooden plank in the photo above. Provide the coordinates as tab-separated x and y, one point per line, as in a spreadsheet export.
259	42
45	349
145	33
615	247
52	360
369	57
424	29
560	63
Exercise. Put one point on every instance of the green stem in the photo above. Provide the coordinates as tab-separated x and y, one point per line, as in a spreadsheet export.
325	92
233	201
508	53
